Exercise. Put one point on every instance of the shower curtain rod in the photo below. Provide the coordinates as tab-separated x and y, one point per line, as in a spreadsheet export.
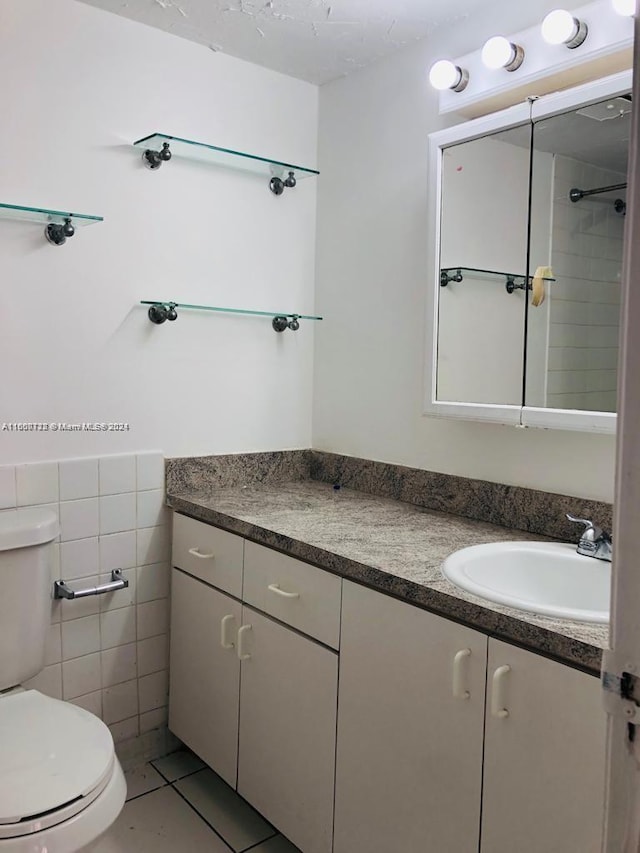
576	194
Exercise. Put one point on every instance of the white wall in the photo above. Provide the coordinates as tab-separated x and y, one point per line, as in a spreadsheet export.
372	275
80	86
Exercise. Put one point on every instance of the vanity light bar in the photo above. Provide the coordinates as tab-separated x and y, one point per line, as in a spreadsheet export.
604	25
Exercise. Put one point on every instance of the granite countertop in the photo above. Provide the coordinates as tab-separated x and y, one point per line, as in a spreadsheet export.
392	546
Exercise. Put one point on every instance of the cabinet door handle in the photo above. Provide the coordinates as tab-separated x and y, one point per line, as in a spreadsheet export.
497	692
224	632
460	674
242	655
275	588
196	553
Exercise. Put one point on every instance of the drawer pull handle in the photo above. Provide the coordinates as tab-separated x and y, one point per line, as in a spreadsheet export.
224	632
460	674
196	553
497	692
275	588
242	655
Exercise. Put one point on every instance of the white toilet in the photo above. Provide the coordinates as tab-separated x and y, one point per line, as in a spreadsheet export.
61	785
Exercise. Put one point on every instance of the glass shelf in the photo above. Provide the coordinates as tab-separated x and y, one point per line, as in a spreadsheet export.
223	156
160	310
45	216
457	274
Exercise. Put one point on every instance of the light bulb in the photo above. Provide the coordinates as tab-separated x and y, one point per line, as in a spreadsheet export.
445	74
499	52
627	8
560	27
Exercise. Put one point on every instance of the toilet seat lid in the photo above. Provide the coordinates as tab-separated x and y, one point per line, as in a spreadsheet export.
51	754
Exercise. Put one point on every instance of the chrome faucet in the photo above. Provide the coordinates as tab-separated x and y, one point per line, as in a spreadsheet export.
594	541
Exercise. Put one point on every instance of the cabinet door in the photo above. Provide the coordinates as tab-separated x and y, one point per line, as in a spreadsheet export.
409	753
286	757
205	672
544	758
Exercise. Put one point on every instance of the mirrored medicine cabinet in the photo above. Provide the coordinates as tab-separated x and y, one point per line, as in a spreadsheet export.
527	225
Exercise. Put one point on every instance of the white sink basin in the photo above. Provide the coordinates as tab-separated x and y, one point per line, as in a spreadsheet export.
547	578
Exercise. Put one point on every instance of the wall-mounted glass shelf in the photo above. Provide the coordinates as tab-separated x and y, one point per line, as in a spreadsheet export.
159	148
59	224
513	281
160	311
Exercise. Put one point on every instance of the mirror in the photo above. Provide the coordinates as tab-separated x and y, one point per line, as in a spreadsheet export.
578	194
529	223
483	236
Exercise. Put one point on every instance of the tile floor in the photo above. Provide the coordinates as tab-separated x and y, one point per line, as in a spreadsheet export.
177	804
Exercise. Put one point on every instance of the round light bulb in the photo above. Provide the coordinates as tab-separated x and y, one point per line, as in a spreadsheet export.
445	74
560	27
627	8
499	52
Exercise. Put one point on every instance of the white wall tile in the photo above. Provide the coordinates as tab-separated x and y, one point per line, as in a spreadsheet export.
91	702
118	627
153	545
153	618
124	730
80	676
79	558
153	720
117	513
150	471
53	653
77	608
151	509
153	691
153	655
152	582
80	637
120	701
8	496
79	519
47	681
120	597
37	483
117	474
118	551
119	664
78	479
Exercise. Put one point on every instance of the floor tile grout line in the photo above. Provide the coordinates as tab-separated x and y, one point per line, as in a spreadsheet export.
257	844
172	781
202	818
144	793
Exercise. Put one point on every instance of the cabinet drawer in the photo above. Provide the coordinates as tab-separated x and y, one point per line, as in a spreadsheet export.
294	592
208	553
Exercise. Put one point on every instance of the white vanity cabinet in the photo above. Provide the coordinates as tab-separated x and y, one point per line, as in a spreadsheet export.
425	763
448	741
254	698
410	722
286	760
205	672
544	758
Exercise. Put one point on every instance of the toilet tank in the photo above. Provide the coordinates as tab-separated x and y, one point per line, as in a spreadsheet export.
26	589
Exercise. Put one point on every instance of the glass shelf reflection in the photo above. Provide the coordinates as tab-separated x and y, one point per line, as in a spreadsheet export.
458	274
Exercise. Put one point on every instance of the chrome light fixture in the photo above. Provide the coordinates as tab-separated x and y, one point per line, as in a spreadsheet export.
499	52
445	74
560	27
626	8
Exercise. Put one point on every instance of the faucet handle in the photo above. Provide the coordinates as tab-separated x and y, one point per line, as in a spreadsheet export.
591	532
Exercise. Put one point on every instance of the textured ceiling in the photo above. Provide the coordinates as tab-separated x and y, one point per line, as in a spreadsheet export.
315	40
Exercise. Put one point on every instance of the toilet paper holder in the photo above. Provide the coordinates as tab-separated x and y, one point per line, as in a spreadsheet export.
61	590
